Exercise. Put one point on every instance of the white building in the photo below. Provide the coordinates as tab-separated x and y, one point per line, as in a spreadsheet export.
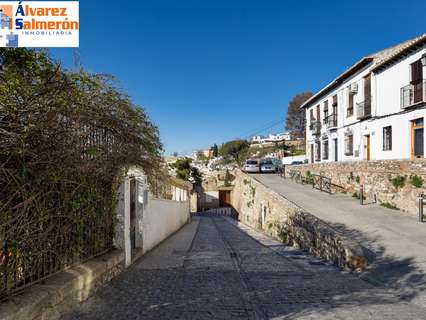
272	138
374	110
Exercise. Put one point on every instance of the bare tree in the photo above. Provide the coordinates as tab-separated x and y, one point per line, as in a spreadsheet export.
296	119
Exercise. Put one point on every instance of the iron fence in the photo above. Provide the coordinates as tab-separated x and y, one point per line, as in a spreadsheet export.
38	241
47	247
321	183
317	181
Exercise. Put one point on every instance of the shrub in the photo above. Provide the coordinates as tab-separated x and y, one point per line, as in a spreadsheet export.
357	179
356	195
398	181
65	139
416	181
389	205
283	236
309	177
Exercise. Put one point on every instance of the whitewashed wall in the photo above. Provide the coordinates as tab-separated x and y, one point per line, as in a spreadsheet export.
161	219
386	111
155	219
289	160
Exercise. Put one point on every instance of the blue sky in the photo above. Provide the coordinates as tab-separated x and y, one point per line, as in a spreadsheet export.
208	71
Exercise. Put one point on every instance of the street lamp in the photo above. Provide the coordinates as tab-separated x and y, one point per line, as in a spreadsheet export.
423	59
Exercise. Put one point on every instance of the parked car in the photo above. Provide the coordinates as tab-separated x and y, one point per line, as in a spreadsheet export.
268	166
251	165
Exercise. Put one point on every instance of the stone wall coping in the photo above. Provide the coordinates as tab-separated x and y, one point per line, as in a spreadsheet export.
360	161
55	295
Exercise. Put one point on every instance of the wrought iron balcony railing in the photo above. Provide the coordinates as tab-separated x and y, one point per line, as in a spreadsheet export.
315	127
331	121
413	94
363	109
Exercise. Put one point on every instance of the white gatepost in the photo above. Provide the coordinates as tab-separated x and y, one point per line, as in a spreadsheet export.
127	241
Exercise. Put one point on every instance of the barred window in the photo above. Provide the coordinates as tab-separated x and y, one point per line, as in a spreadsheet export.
350	110
318	151
325	150
325	111
349	145
387	138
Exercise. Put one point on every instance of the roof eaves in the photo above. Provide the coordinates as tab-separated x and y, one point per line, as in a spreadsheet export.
417	43
339	80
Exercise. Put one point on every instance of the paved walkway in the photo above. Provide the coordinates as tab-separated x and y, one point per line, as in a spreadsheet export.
216	268
398	240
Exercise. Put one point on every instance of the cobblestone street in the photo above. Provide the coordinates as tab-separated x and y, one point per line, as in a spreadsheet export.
232	272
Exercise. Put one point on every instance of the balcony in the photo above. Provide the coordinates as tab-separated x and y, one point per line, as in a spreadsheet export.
315	127
331	121
363	109
413	94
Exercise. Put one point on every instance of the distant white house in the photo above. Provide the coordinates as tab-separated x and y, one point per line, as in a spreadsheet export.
374	110
272	138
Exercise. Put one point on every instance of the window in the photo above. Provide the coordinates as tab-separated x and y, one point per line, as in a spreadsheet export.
416	72
318	113
350	110
387	138
318	151
325	149
349	145
311	115
417	81
325	111
335	105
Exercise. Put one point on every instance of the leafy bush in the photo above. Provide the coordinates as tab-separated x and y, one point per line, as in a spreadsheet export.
65	139
356	195
235	150
416	181
389	205
398	181
309	177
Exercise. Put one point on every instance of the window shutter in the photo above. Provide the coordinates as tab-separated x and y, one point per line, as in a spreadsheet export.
416	72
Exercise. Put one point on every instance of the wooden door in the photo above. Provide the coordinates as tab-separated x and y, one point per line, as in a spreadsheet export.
417	138
367	147
224	198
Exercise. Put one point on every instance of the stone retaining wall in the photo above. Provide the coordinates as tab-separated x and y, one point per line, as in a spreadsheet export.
52	298
264	209
377	177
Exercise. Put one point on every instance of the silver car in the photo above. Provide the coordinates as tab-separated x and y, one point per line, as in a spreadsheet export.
268	166
251	166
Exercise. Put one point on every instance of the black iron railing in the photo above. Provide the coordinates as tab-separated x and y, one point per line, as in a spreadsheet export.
331	121
321	183
40	249
315	127
364	109
317	181
413	94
